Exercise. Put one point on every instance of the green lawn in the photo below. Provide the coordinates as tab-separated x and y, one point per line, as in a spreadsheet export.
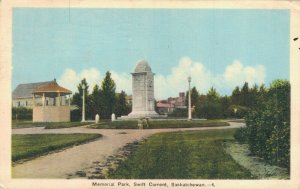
183	155
47	125
161	124
33	145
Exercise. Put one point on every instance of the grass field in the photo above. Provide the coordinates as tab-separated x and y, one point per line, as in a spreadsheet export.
34	145
47	125
183	155
161	124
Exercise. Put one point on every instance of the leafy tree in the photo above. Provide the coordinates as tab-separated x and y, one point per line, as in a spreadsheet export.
225	104
236	96
182	113
245	95
122	107
194	97
209	106
213	95
109	95
97	104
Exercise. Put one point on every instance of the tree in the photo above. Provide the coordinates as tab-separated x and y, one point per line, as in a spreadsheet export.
96	98
268	127
225	104
213	95
122	107
245	101
210	106
236	96
194	97
109	95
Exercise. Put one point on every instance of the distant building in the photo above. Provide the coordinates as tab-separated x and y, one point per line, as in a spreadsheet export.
23	94
172	103
164	107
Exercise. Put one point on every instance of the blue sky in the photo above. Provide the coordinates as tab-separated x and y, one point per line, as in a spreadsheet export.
220	48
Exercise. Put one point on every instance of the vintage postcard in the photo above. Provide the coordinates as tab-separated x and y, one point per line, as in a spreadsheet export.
150	94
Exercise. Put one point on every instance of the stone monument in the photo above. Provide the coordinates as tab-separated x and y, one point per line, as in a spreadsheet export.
142	91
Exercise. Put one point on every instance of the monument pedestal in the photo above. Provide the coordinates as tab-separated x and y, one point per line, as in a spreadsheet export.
142	93
138	114
135	115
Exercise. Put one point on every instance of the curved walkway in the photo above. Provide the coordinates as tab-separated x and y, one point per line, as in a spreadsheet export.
60	164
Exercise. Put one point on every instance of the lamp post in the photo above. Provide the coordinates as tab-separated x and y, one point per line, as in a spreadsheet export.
190	110
83	103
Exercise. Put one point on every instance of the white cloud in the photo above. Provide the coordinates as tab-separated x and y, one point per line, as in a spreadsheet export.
234	75
123	81
70	79
177	81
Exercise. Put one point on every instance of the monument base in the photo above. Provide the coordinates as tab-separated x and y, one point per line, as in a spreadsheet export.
143	114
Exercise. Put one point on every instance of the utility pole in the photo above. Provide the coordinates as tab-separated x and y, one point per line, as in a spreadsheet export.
83	103
190	110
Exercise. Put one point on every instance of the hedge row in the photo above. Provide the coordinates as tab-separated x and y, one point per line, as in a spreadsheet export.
185	124
268	128
21	113
154	124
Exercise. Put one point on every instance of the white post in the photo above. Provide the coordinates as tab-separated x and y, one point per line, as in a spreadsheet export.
33	101
190	110
83	104
59	99
113	117
43	99
69	100
97	118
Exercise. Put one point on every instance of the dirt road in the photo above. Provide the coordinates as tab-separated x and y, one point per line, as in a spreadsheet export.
60	164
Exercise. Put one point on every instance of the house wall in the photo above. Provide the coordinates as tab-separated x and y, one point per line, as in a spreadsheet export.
51	114
24	102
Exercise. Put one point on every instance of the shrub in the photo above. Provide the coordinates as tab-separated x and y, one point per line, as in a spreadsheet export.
240	135
179	113
185	124
21	113
76	115
268	128
155	124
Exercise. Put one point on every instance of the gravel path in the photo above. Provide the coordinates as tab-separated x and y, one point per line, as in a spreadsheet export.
61	164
